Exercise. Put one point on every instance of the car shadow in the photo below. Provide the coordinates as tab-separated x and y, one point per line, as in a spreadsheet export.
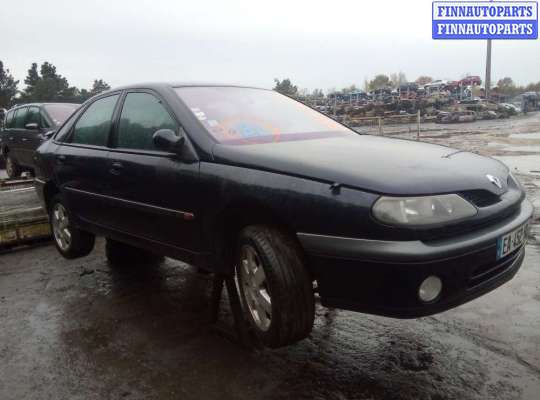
143	331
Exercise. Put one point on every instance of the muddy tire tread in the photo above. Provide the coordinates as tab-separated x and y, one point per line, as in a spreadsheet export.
292	284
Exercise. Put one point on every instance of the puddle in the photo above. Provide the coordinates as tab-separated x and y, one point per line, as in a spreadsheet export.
535	135
522	164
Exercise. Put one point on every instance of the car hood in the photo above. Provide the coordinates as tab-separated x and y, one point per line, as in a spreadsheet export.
372	163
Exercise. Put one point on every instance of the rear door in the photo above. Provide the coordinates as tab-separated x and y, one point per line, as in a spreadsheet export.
15	132
81	160
6	131
154	193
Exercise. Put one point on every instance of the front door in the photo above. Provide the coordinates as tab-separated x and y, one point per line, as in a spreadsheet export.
14	135
154	192
30	137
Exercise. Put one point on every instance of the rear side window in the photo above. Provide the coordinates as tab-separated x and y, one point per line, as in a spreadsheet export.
9	119
94	125
33	116
20	118
142	115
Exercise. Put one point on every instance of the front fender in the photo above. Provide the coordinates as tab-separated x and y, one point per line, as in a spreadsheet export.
303	205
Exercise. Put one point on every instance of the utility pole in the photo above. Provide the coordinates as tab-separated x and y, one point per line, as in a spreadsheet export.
488	69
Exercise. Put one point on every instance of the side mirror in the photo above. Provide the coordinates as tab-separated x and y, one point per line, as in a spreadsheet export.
167	140
49	134
32	126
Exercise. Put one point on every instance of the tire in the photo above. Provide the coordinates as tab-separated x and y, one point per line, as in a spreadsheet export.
120	255
12	168
279	303
70	241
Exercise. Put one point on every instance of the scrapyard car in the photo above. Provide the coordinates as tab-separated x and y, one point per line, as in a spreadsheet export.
242	179
456	116
25	128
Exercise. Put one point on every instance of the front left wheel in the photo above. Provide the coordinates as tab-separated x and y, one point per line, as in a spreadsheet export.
70	241
275	286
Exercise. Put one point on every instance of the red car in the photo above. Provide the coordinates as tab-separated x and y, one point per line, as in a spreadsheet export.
471	81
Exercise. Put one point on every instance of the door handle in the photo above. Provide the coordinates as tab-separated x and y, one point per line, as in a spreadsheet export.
116	168
60	159
11	138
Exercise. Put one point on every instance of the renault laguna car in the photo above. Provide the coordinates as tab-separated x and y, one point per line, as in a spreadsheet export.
246	180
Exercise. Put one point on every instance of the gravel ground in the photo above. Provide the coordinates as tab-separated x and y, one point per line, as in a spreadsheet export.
85	330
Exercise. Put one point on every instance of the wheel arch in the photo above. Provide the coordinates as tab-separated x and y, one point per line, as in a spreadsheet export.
234	217
49	191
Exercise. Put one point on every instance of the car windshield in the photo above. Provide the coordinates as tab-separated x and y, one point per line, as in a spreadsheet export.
234	115
60	112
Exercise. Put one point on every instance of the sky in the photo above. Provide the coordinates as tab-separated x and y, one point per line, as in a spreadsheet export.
317	44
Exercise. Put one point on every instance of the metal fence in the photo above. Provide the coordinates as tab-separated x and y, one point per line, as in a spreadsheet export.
388	125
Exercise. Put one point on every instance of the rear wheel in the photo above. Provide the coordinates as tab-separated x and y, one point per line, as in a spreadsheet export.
12	168
70	241
275	286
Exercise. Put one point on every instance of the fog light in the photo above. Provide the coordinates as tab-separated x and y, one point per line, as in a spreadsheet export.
430	289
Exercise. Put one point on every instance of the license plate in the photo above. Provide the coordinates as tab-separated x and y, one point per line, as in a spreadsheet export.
511	241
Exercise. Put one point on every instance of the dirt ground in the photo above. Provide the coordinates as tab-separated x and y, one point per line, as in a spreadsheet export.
85	330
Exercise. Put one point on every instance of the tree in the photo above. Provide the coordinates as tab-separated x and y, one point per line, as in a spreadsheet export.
47	85
532	87
424	80
285	87
84	95
366	85
99	86
398	79
506	86
33	76
349	89
317	93
303	92
8	87
71	95
380	81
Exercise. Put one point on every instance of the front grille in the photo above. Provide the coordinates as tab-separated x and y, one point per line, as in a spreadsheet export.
480	198
459	229
487	271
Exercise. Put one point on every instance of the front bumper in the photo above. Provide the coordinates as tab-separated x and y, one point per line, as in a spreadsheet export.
382	277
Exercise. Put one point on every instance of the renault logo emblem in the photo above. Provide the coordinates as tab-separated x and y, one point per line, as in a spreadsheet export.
496	181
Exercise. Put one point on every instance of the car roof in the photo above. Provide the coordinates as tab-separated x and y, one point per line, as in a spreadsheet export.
41	104
165	85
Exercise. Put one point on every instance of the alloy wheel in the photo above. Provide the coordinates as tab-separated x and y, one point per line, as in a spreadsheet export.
9	166
255	288
60	225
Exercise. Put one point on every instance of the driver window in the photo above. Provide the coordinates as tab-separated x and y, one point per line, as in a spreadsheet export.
142	115
20	118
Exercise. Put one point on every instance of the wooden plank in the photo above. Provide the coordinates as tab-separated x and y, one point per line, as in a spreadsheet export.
22	218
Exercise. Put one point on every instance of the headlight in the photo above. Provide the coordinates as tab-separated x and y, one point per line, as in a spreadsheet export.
425	210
